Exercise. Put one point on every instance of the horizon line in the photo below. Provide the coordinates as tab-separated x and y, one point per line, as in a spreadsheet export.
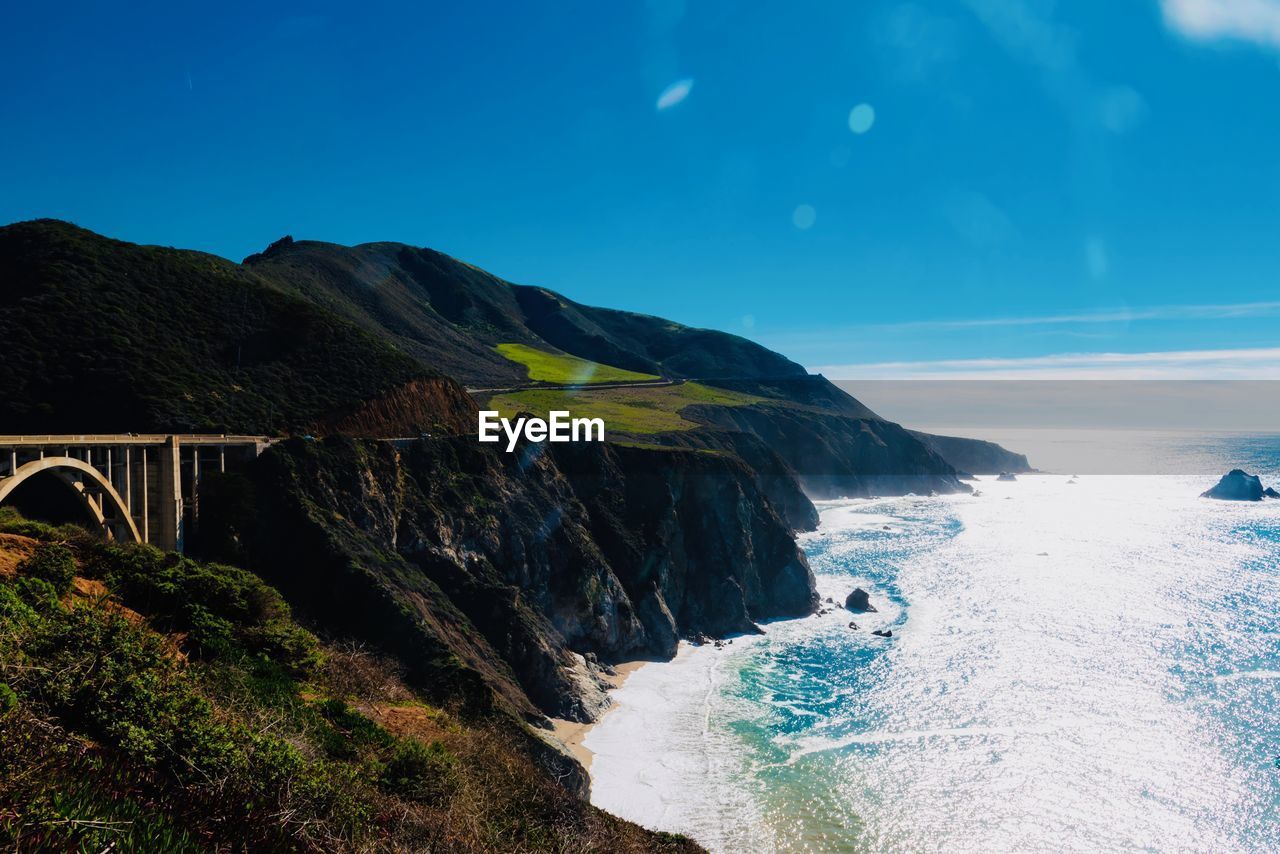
1258	363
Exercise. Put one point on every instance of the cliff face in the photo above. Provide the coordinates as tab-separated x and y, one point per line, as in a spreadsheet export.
773	476
696	544
974	456
834	455
436	405
480	568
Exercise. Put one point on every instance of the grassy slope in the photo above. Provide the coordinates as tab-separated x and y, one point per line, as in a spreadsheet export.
559	368
149	702
637	411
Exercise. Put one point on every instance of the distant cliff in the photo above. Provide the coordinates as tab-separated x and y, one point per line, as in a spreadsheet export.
974	456
833	455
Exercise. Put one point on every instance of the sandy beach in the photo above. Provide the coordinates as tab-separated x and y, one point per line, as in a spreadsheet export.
572	733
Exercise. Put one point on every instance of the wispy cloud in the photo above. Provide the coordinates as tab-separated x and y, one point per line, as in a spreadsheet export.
1224	311
1029	31
1093	317
1243	364
1095	323
918	43
1255	21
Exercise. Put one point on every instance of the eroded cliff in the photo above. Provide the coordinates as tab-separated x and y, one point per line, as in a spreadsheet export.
501	578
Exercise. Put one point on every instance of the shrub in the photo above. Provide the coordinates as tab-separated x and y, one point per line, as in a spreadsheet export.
348	731
52	562
58	794
224	610
36	593
419	772
12	522
120	684
15	611
353	670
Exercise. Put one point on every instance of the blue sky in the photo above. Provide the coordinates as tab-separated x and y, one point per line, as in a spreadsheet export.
983	187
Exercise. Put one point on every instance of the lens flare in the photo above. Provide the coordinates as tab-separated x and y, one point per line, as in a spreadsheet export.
861	118
674	94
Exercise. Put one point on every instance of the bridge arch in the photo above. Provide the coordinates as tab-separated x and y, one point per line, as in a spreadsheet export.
94	490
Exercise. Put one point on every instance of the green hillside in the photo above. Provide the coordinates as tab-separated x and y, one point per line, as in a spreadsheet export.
101	335
642	410
561	369
452	315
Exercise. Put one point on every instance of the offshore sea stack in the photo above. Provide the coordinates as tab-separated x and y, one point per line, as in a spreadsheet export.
859	601
1236	485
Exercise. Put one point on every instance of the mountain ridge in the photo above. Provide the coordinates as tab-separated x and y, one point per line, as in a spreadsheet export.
416	294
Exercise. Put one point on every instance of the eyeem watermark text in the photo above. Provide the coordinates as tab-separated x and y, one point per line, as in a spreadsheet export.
559	426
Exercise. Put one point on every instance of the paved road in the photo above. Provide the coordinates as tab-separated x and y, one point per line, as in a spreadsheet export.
577	386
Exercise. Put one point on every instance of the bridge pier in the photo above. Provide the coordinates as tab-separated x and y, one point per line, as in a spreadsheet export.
167	531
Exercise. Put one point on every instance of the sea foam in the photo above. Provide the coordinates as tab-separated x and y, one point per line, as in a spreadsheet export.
1073	667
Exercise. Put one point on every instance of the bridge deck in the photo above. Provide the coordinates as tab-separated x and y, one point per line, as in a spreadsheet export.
132	439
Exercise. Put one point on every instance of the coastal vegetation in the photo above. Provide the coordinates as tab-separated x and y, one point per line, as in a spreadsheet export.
153	702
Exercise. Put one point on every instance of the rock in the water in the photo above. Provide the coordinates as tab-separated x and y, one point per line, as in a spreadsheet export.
859	600
1236	485
1007	475
884	633
1270	492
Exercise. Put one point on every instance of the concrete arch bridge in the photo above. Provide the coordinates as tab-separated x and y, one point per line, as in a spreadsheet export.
136	488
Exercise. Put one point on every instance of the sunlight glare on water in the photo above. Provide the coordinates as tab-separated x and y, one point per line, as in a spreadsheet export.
1087	666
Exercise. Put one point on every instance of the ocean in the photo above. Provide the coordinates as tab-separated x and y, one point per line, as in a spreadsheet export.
1088	665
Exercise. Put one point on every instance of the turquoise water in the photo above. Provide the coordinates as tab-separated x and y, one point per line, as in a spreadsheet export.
1075	666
